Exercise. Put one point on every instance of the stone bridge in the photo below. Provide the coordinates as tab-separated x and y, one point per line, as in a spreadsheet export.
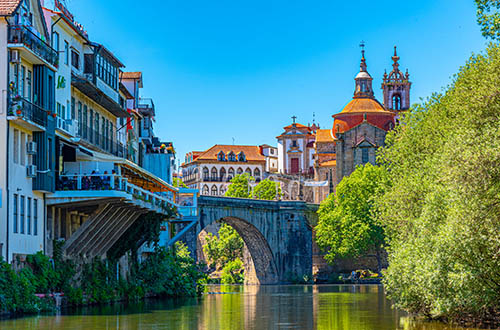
278	234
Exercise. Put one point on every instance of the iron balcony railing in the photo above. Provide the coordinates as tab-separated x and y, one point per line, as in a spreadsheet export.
96	138
26	110
20	34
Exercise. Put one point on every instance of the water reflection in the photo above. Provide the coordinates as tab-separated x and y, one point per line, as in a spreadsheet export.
332	307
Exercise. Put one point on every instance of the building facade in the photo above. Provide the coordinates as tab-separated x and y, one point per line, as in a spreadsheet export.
296	149
212	170
79	143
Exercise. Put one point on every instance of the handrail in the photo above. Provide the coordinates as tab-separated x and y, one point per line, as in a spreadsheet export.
23	108
20	34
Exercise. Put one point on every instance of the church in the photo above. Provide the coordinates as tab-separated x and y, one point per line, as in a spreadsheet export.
360	128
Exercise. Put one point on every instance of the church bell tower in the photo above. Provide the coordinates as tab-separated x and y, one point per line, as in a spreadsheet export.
396	87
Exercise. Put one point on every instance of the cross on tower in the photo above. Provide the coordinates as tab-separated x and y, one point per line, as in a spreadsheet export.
362	45
294	118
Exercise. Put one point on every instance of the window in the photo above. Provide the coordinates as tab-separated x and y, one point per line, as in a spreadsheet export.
214	190
256	173
107	72
91	126
241	157
58	109
230	174
84	125
205	190
28	216
396	102
231	157
294	143
15	213
66	52
63	112
214	174
50	160
248	171
79	118
103	132
22	89
364	155
55	42
205	174
97	139
22	206
222	174
239	171
221	156
75	59
28	81
16	146
222	191
35	217
23	149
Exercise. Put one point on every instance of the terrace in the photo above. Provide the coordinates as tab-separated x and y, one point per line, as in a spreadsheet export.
27	114
34	48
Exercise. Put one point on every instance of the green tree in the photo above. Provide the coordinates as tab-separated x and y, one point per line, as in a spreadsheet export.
267	189
488	17
240	186
227	247
347	224
441	210
176	182
232	273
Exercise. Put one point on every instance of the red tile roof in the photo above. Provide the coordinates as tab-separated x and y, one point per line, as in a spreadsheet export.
252	153
7	7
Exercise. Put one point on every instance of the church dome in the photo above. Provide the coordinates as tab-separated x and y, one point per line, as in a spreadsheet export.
360	105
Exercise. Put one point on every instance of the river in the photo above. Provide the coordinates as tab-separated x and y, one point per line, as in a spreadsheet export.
322	307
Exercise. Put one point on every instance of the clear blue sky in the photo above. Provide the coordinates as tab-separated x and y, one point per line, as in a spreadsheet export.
219	70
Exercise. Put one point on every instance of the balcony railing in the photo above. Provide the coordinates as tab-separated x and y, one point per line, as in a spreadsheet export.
94	137
19	34
110	182
26	110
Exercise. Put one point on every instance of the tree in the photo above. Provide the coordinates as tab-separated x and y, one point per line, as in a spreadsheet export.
240	186
267	189
225	248
441	211
347	223
176	182
488	17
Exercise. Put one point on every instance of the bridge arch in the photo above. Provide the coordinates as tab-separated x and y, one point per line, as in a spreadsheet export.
278	234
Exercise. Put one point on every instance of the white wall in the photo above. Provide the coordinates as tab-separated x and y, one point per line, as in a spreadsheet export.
3	136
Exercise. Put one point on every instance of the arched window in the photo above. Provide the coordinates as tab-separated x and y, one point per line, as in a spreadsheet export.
231	157
222	191
222	173
248	171
214	190
205	190
221	157
256	173
239	170
230	174
214	174
241	157
205	174
396	102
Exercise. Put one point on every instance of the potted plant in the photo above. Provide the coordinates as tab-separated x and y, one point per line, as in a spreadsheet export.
54	115
19	110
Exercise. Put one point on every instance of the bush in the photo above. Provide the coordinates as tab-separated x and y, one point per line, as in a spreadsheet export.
233	272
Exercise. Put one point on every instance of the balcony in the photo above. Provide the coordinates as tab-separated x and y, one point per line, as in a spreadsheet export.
94	139
68	126
146	107
38	52
109	186
27	114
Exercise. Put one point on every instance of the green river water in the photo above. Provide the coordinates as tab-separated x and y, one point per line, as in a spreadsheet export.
332	307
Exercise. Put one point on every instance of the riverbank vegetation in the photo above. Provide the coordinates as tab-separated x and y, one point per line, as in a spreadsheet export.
224	252
441	210
163	273
347	220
